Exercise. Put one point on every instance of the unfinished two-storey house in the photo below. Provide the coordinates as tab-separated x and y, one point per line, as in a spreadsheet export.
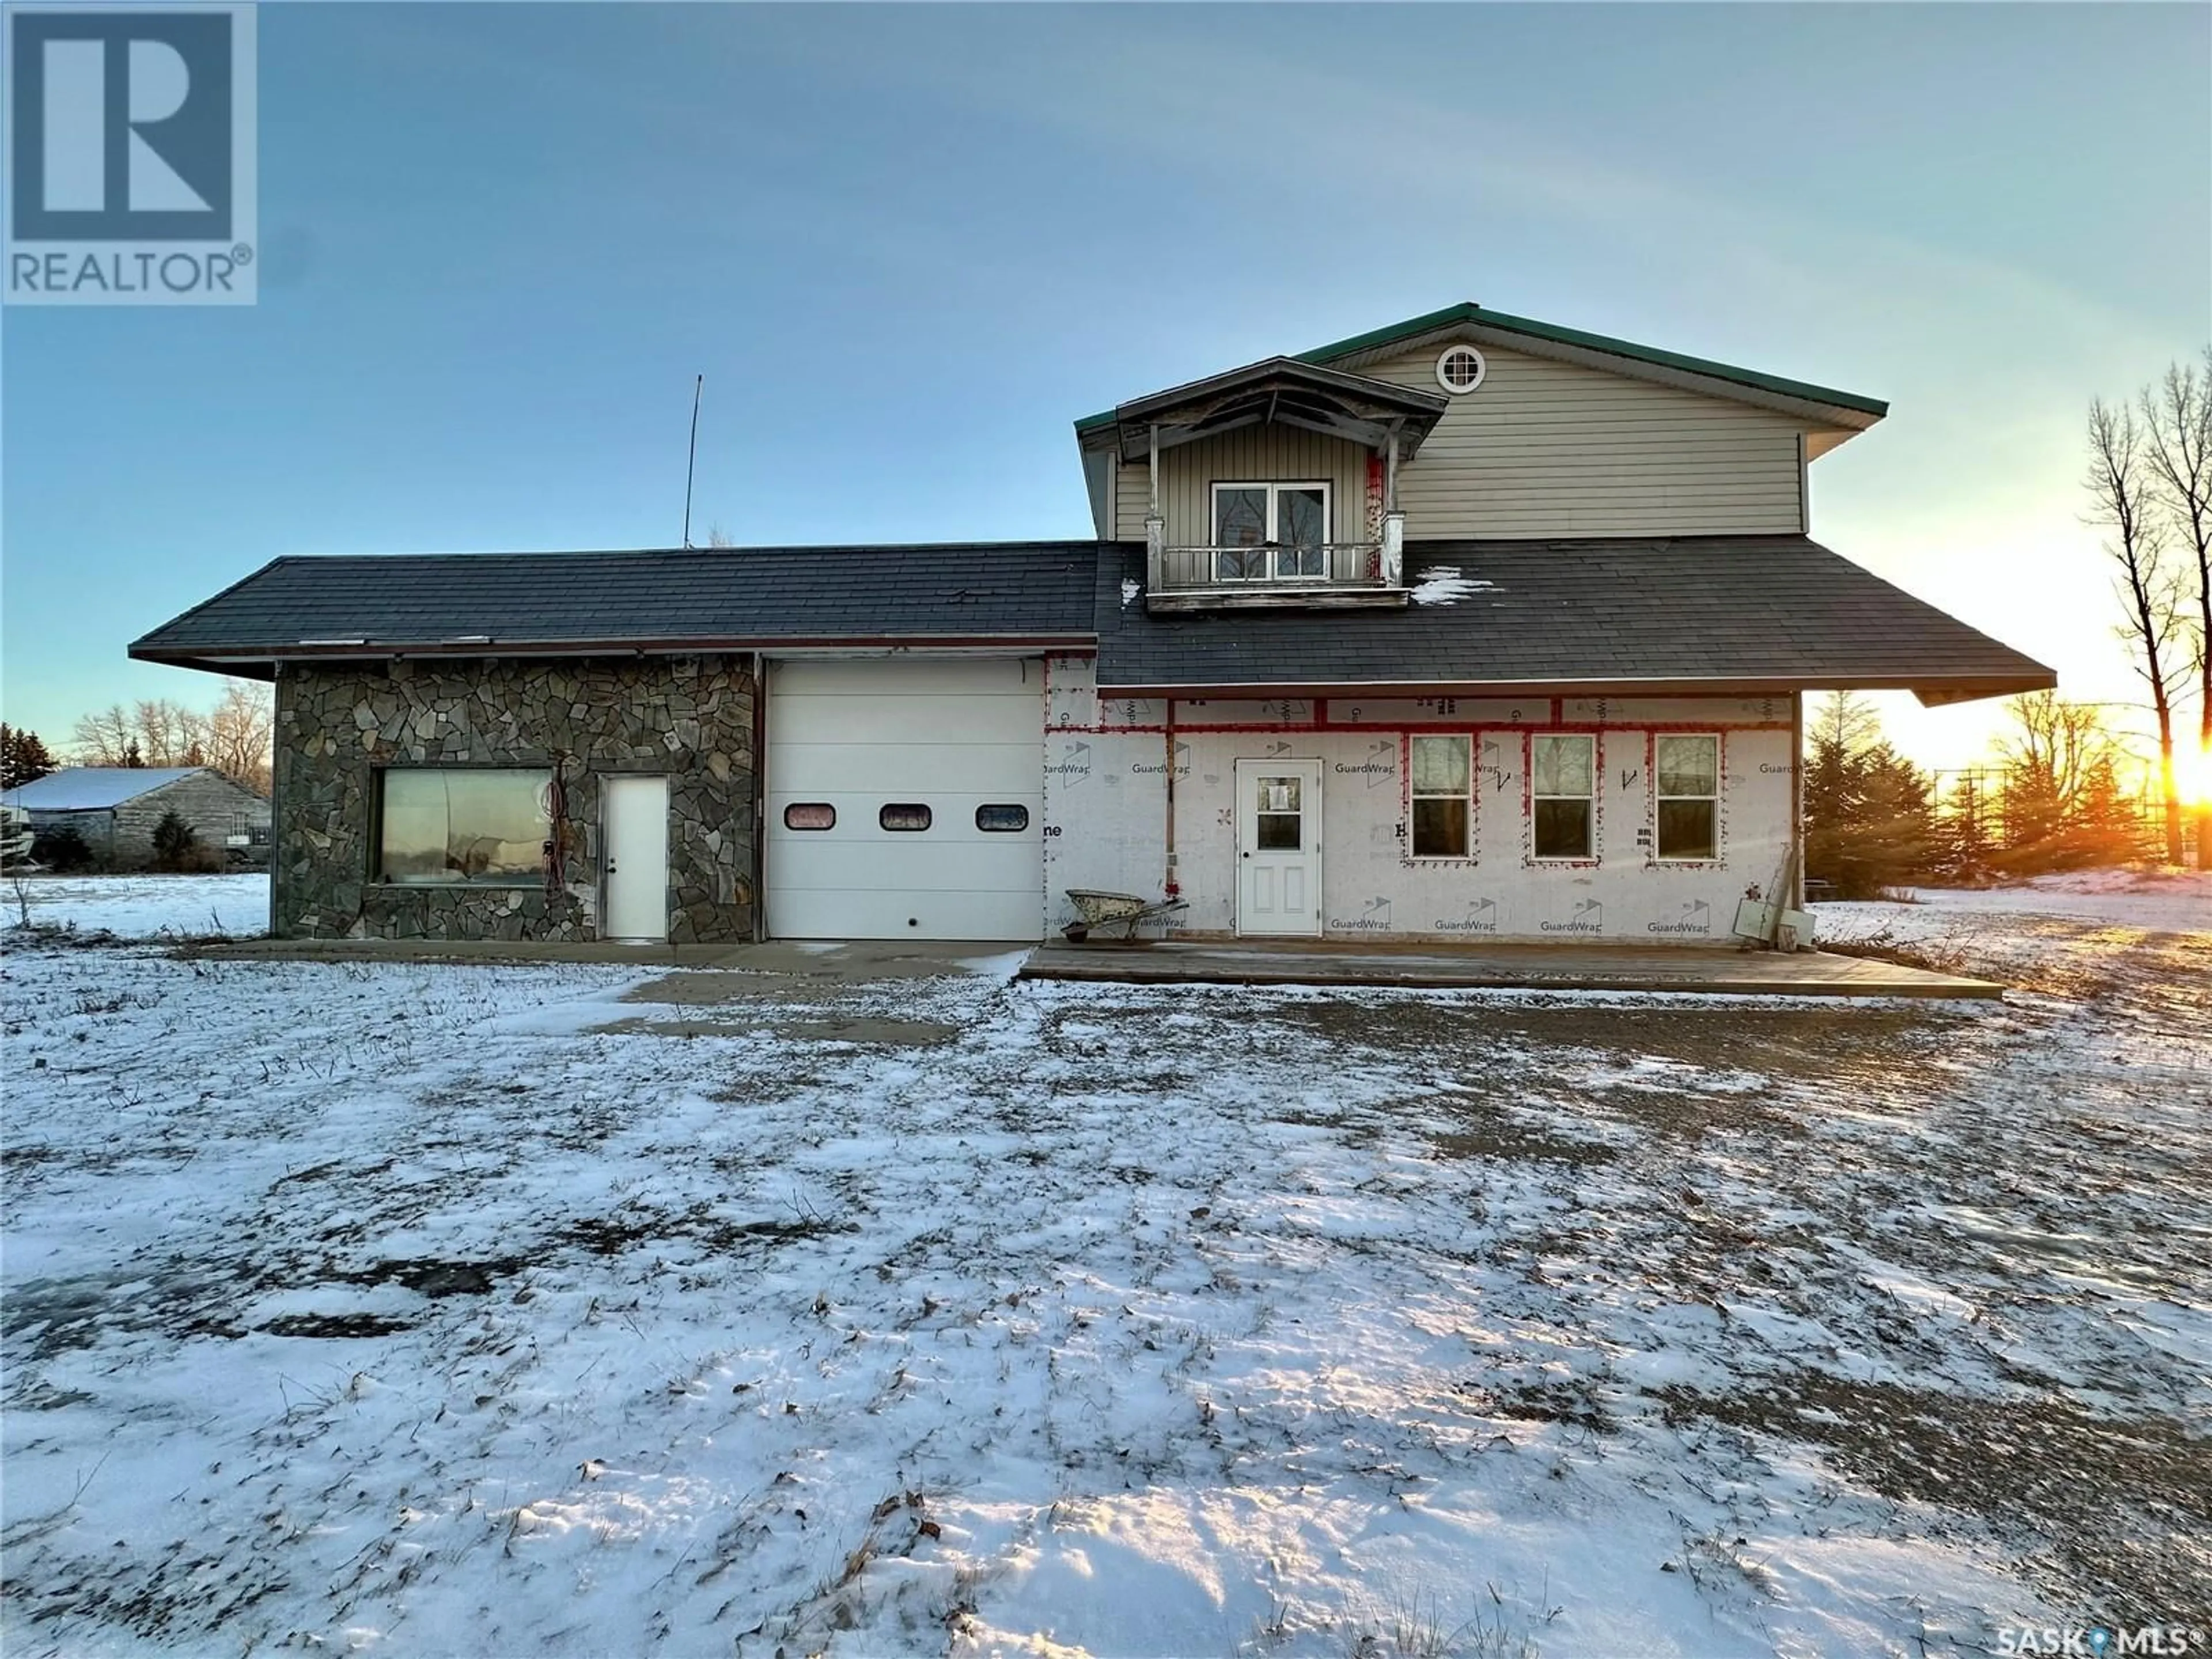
1470	626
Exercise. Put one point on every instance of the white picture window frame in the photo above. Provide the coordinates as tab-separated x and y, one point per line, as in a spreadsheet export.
1662	798
1538	795
1274	490
462	826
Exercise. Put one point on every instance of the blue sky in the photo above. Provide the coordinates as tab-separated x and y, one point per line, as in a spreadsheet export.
906	246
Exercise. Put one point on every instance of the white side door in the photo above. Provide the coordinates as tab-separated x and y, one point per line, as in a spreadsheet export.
635	815
1279	847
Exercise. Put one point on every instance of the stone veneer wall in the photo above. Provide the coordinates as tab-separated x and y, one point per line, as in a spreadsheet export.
688	719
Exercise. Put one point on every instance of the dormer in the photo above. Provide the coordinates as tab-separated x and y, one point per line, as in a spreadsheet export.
1299	480
1272	484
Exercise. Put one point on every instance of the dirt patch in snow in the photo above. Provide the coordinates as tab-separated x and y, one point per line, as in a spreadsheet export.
436	1278
2119	1506
343	1327
628	1230
864	1031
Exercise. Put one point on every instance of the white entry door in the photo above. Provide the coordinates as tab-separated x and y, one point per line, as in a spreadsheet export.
1279	847
636	817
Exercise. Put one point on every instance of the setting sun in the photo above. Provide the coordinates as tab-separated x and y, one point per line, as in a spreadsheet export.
2192	776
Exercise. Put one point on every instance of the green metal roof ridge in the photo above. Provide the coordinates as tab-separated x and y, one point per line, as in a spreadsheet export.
1467	312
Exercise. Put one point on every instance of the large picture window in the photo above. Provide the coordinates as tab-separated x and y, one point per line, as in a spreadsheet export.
1689	789
442	826
1443	778
1263	530
1562	792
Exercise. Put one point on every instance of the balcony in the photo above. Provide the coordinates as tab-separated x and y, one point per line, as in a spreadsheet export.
1316	576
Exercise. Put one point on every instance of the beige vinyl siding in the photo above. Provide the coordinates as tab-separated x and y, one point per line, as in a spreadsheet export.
1251	454
1546	448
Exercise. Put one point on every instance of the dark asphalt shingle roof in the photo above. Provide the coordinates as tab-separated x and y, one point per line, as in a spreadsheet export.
1772	610
1024	589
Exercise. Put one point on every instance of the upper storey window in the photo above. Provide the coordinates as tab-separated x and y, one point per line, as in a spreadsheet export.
1270	530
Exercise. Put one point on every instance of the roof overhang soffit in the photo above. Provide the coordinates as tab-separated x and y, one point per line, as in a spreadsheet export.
1939	696
264	661
1968	688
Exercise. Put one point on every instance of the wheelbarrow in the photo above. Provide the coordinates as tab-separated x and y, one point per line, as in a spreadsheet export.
1123	910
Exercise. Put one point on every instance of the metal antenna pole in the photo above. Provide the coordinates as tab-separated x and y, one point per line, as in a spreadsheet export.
691	461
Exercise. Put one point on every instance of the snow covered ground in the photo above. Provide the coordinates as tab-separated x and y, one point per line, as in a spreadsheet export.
2055	932
142	907
2177	900
411	1308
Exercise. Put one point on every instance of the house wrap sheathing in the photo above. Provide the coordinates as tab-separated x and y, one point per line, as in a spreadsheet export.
1106	759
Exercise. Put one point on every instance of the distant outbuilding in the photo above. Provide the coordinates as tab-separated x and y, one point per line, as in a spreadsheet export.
115	809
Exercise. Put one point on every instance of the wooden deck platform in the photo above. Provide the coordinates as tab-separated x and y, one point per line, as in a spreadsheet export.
1708	970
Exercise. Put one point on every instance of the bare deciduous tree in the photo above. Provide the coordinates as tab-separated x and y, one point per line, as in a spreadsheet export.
170	734
103	736
233	737
2122	484
238	734
2064	805
2178	427
2059	744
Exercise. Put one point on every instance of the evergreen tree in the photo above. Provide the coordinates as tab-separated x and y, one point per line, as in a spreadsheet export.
1966	836
176	843
2064	804
1868	821
2035	813
1899	816
23	756
63	849
2102	826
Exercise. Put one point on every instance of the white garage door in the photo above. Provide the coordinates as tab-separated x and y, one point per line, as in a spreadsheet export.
906	800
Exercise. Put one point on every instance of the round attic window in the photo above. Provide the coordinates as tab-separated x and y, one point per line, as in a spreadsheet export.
1460	368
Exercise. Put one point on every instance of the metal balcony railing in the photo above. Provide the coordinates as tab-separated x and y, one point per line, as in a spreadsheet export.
1335	564
1332	573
